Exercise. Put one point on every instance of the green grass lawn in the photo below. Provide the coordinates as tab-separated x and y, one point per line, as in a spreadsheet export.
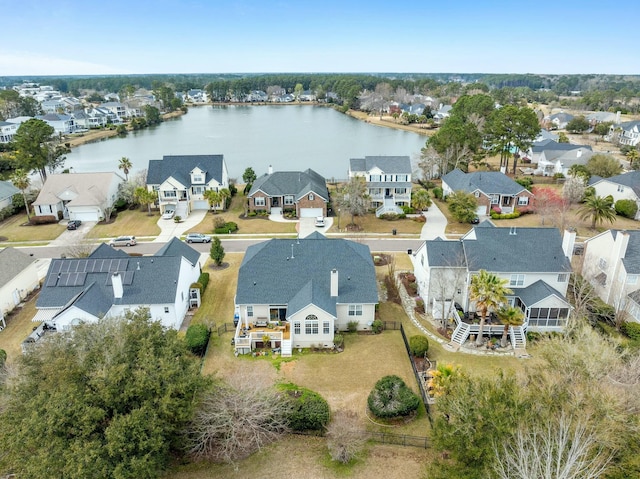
19	326
16	228
128	222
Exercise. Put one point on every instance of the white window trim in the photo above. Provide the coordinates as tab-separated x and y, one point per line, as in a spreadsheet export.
516	280
249	311
259	201
495	199
289	200
523	200
355	310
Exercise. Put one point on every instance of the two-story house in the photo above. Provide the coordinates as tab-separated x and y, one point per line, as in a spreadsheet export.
7	131
491	189
299	293
626	133
625	186
537	275
611	264
388	180
304	192
181	180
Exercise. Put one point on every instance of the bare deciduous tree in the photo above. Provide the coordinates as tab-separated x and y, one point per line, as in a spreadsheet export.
573	189
562	449
237	418
345	439
78	250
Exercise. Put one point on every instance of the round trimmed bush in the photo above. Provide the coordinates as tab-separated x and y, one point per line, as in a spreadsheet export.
626	208
197	338
418	344
391	397
309	411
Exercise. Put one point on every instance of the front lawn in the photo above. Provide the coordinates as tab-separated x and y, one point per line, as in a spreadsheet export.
16	229
128	222
370	224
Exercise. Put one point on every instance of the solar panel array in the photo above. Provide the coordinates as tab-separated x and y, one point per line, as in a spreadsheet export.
73	272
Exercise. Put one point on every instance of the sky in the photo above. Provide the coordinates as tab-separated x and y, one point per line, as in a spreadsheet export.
71	37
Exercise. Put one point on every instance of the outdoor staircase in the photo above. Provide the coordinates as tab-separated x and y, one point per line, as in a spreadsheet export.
460	334
389	206
518	337
285	348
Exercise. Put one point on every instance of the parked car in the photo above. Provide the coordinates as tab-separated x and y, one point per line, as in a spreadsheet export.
169	211
73	224
320	221
123	241
198	238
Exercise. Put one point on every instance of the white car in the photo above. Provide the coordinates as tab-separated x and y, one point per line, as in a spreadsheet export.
320	221
198	238
169	211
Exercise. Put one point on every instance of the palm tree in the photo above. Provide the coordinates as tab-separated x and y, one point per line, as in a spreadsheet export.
213	197
598	208
21	180
420	200
442	377
488	291
224	194
145	197
125	165
509	316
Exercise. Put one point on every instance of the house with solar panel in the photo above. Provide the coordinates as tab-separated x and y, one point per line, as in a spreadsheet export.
109	282
299	293
535	262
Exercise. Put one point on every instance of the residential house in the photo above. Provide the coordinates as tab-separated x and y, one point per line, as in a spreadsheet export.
257	96
62	124
118	110
55	105
7	131
181	180
442	113
7	192
388	180
301	292
534	261
304	192
78	196
492	189
559	162
109	282
626	133
625	186
307	95
99	117
196	96
18	278
559	120
603	117
81	120
611	264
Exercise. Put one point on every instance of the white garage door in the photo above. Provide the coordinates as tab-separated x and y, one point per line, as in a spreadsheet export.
200	205
311	212
83	215
481	211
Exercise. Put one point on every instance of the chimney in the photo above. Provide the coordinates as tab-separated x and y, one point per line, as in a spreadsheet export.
116	281
620	244
334	283
270	170
568	242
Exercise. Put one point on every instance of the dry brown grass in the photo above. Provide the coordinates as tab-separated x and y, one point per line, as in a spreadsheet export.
129	222
19	326
302	457
12	228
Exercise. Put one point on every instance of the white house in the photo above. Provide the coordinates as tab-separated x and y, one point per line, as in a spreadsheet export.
62	124
18	278
78	196
626	133
300	293
110	282
7	131
621	187
181	180
611	264
534	261
388	180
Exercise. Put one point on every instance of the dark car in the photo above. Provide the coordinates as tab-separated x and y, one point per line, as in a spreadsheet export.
475	221
73	224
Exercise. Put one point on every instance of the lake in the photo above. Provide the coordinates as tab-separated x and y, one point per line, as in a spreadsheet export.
291	137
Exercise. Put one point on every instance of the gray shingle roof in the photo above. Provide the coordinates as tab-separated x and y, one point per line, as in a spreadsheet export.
630	179
631	260
7	190
536	292
180	167
516	250
12	262
388	164
551	145
445	253
270	275
489	182
297	183
175	247
86	282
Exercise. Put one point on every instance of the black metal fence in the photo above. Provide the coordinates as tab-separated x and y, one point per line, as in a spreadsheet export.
381	438
416	373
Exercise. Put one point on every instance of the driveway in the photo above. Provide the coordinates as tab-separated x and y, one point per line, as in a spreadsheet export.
306	226
435	225
72	237
170	229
